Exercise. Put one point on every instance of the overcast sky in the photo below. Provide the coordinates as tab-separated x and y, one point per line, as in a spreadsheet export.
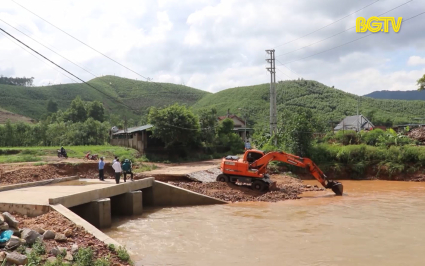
214	45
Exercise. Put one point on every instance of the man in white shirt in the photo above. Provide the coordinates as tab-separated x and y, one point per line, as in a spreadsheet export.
117	168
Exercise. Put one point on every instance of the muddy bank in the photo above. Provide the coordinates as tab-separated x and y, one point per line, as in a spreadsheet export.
76	235
51	171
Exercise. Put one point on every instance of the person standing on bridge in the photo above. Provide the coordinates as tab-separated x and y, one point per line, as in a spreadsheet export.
126	168
118	170
101	167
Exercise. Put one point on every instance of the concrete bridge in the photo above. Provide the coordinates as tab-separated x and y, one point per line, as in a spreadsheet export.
91	203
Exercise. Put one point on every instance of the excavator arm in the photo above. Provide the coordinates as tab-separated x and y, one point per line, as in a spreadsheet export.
261	164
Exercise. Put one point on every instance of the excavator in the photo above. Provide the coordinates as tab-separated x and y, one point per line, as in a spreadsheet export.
252	169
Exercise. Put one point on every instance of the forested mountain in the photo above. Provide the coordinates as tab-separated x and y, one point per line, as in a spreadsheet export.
32	101
328	103
398	95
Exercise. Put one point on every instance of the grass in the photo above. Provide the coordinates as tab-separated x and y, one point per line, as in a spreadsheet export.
33	154
144	167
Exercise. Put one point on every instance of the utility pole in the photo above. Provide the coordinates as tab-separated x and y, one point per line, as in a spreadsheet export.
273	111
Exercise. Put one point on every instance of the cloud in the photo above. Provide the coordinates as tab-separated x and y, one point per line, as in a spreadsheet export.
415	61
217	44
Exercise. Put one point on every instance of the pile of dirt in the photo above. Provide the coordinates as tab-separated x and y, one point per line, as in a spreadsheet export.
417	134
55	222
51	171
286	188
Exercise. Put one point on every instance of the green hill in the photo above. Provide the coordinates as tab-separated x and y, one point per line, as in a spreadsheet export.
32	101
328	103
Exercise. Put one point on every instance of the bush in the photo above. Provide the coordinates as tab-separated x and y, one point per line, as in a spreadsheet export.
123	254
372	137
347	137
84	257
103	261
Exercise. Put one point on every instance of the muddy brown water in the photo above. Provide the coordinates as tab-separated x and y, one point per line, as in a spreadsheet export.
374	223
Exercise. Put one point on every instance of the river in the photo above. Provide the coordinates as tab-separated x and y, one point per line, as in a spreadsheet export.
374	223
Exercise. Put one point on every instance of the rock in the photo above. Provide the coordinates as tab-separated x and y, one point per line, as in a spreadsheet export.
16	232
39	230
74	248
49	234
13	243
28	250
30	236
51	259
8	218
16	258
68	232
55	251
1	219
4	226
2	256
69	256
60	237
62	250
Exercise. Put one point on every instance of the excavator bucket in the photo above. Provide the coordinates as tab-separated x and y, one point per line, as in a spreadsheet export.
336	187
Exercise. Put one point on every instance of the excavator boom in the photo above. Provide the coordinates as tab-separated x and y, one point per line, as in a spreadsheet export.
261	165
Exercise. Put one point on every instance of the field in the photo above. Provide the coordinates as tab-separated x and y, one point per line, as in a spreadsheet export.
42	154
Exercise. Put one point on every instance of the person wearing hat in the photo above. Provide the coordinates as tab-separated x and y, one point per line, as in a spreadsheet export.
126	168
101	167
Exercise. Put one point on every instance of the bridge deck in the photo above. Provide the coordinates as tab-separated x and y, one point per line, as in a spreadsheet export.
71	193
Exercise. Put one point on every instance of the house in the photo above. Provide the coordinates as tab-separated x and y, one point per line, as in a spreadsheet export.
355	122
239	125
133	137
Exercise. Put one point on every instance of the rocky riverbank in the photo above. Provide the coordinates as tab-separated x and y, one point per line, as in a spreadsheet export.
51	239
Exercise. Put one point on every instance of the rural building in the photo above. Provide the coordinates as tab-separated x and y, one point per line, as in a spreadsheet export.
239	125
133	137
355	122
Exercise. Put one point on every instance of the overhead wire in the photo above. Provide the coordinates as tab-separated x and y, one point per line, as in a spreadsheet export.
23	48
93	87
324	51
92	48
330	37
325	25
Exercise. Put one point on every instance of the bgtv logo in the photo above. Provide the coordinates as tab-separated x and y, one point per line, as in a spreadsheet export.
375	24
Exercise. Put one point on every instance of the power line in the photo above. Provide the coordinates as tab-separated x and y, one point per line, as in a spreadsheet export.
326	25
327	38
50	49
23	48
97	51
343	43
66	70
110	97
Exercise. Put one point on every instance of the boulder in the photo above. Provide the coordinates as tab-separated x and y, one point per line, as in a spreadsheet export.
8	218
69	256
13	243
1	219
60	237
68	232
51	259
2	256
4	226
58	251
30	236
39	230
49	234
16	258
74	248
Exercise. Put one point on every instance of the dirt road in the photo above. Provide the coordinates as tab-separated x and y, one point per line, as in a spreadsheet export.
182	169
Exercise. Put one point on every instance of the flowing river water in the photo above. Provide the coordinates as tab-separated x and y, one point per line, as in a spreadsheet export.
374	223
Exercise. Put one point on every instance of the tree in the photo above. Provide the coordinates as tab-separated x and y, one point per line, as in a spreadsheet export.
298	133
421	83
52	107
96	111
208	122
175	126
77	111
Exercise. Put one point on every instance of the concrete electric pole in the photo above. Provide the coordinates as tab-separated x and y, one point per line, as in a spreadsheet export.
273	110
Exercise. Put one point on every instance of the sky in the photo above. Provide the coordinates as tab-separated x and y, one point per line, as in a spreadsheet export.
214	45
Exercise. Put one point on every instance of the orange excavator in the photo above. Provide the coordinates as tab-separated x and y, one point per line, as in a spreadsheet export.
252	169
